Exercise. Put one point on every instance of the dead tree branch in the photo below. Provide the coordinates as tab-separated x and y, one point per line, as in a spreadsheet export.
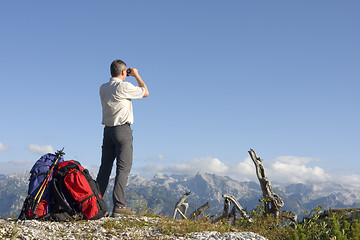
273	203
232	214
199	211
182	204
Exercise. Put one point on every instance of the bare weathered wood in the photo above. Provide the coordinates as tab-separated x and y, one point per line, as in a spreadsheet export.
229	199
237	206
182	204
199	211
273	203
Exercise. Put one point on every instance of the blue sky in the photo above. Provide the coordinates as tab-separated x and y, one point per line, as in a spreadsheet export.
281	77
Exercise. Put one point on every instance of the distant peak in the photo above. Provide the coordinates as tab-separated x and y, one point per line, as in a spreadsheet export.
160	176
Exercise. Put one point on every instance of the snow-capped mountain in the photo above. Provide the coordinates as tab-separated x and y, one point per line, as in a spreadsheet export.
162	192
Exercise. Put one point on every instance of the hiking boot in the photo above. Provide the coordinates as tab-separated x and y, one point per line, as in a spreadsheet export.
117	212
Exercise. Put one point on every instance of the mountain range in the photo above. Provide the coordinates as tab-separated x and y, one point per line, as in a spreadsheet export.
160	194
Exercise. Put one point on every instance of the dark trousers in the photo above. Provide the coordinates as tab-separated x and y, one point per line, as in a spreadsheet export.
117	144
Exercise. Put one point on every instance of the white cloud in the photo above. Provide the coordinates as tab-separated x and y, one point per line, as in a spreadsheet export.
246	167
284	169
295	173
206	164
242	171
239	171
350	179
40	149
4	147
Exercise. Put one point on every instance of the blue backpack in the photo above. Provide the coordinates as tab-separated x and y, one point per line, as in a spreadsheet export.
36	204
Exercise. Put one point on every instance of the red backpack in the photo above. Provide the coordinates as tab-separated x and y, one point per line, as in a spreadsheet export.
76	194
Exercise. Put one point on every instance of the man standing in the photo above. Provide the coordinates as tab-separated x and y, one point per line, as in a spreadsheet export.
117	116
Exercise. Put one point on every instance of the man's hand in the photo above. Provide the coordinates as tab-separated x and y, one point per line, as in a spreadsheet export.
135	73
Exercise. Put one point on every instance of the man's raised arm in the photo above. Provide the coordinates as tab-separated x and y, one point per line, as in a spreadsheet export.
135	73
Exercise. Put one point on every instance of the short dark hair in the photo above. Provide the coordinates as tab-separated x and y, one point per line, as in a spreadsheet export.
116	67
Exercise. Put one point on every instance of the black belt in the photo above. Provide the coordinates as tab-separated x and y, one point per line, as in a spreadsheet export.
125	124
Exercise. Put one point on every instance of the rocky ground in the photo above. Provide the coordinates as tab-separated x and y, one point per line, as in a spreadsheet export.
126	227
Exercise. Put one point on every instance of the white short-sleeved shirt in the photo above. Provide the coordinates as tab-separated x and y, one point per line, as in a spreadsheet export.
116	103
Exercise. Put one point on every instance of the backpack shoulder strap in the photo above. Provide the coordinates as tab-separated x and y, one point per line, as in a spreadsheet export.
59	203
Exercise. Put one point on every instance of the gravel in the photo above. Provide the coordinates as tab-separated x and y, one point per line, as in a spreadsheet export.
126	227
227	236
